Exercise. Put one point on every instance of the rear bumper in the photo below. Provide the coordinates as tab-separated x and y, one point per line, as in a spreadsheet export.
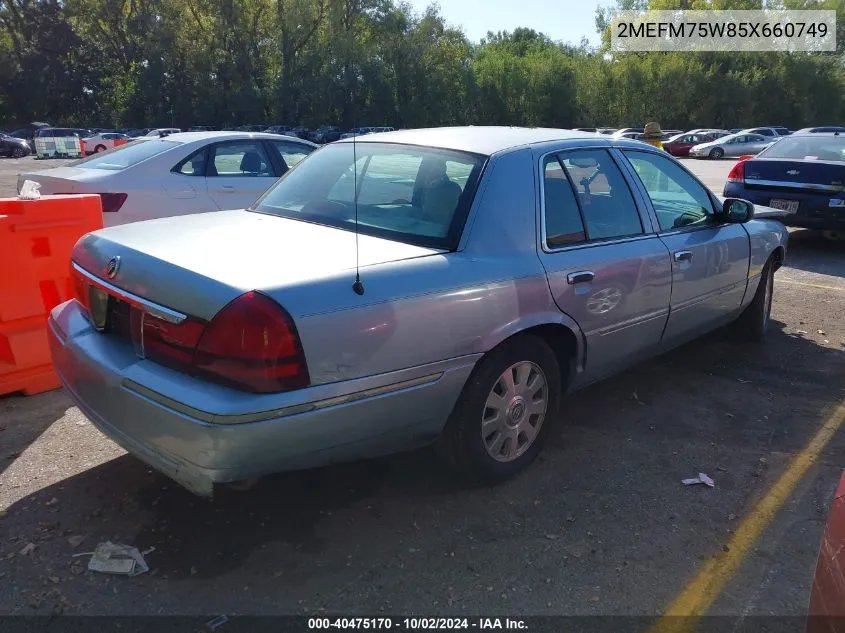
199	448
814	211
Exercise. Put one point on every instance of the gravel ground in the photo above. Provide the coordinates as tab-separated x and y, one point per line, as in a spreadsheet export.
599	525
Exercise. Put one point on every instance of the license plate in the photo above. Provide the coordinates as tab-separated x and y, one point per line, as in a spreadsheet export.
785	205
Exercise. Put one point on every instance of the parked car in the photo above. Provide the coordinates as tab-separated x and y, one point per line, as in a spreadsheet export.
826	611
279	129
731	145
802	175
14	147
104	141
138	131
258	348
627	130
585	129
680	144
609	131
327	134
826	129
253	127
356	131
736	130
772	132
28	133
161	132
301	132
189	172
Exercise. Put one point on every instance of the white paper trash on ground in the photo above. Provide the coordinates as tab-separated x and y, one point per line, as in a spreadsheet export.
112	558
30	190
701	479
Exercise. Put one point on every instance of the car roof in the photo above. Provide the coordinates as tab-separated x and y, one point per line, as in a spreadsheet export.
189	137
485	140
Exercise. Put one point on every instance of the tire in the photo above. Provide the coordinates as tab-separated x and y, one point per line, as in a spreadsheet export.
18	152
99	148
716	153
753	323
463	444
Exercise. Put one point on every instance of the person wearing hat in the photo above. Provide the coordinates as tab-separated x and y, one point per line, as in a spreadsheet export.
652	134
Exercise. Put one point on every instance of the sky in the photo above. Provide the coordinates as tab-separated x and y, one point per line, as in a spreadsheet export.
565	20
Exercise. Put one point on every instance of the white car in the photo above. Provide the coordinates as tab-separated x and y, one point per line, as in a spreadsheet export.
189	172
101	142
161	132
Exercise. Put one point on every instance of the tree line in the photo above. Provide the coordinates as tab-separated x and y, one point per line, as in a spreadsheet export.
376	62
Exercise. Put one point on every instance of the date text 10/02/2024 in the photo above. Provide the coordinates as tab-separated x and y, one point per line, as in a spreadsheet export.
418	624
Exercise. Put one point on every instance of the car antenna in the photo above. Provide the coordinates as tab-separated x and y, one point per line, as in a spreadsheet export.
358	286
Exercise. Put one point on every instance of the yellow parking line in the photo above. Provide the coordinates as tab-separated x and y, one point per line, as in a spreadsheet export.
682	614
804	283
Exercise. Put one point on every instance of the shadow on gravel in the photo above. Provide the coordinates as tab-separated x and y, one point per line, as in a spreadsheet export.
18	431
613	467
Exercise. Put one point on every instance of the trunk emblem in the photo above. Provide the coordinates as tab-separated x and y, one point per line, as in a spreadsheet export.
793	172
112	266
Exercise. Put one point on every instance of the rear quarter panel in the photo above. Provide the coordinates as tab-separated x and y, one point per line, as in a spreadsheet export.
766	235
436	307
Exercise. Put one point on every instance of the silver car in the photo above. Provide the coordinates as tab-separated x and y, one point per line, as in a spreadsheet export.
732	145
444	286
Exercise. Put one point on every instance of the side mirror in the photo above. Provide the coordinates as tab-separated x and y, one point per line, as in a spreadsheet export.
737	211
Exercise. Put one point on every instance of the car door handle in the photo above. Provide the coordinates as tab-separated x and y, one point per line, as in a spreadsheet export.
227	188
581	277
683	256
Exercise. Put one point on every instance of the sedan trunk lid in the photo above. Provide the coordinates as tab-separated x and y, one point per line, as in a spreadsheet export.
198	263
819	176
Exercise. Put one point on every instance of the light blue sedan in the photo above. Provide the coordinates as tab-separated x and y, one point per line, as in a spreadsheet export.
444	286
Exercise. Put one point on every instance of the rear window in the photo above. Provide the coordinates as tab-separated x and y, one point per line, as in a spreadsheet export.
127	155
406	193
807	148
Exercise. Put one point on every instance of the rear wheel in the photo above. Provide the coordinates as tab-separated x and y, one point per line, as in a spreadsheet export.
716	152
501	420
753	323
100	148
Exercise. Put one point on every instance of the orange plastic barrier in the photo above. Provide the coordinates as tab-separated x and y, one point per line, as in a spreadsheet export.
120	141
36	239
746	156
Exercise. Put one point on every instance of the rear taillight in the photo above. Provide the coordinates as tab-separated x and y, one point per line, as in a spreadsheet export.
169	344
80	288
252	344
112	201
737	172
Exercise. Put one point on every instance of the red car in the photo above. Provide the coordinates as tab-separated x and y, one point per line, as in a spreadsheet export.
680	144
827	598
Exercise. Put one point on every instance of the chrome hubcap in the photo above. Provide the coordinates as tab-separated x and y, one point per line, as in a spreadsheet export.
514	411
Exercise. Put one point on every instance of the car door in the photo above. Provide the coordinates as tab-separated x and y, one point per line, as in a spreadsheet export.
237	173
709	257
741	145
606	268
757	143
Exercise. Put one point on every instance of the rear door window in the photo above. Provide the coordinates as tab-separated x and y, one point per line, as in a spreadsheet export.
239	159
291	153
606	202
